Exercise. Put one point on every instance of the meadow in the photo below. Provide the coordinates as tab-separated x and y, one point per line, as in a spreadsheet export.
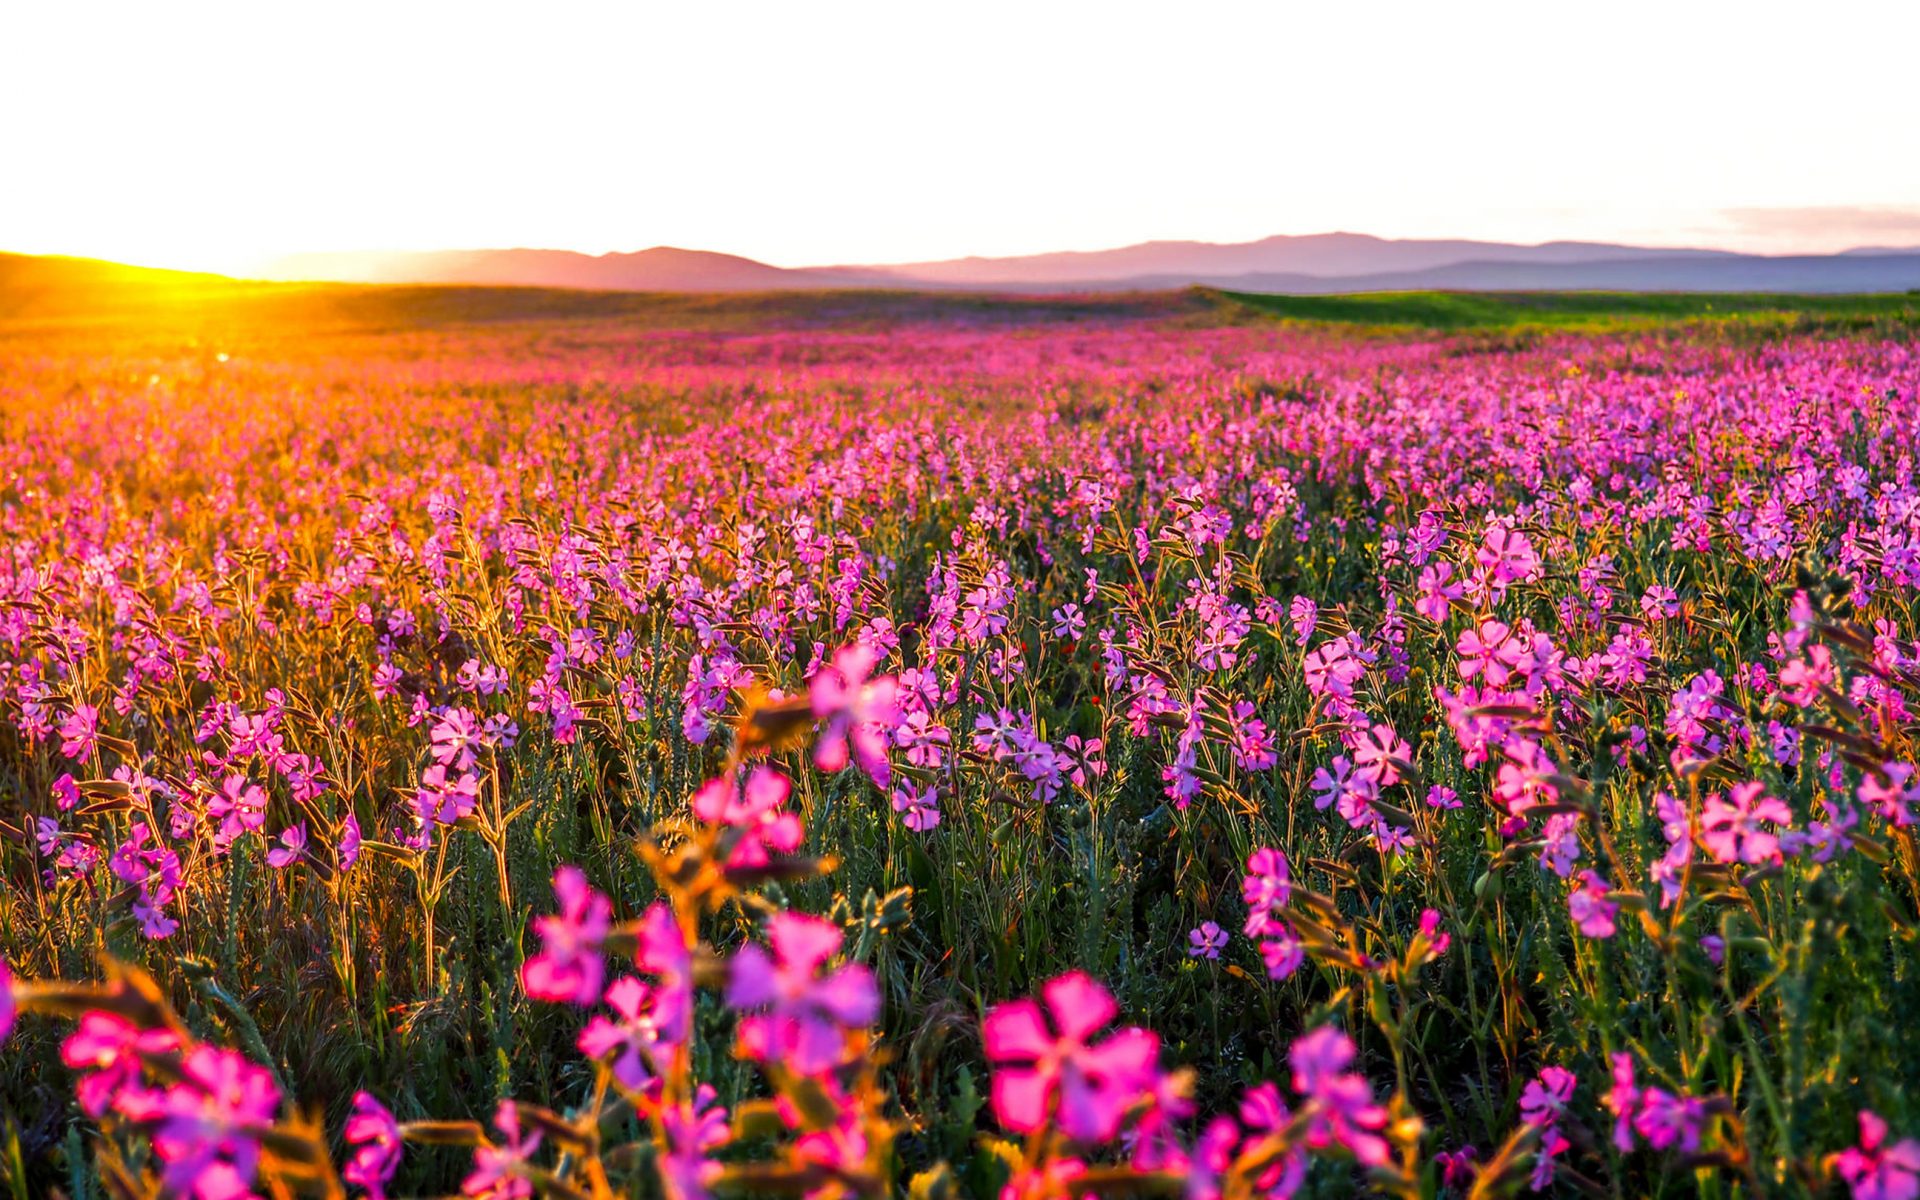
540	744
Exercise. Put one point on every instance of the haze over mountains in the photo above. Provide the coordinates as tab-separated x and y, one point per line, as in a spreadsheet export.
1310	264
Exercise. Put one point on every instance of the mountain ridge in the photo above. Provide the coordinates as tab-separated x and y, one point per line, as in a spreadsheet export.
1308	264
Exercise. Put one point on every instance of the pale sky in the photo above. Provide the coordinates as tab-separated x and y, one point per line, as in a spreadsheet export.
222	135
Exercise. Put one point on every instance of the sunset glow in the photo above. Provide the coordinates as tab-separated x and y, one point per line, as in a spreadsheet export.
220	136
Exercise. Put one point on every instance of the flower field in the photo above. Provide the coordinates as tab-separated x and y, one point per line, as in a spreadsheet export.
1078	757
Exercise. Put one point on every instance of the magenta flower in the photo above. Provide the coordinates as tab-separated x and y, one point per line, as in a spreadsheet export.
240	806
569	967
349	842
662	952
1623	1100
1874	1170
1045	1061
801	1009
1546	1096
754	811
375	1135
855	711
1206	940
632	1041
1667	1120
210	1124
1730	825
7	1005
79	732
443	802
1592	912
694	1129
1344	1110
293	846
1490	652
495	1174
108	1048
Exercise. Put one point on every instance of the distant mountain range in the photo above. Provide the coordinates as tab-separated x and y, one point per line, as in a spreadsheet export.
1312	264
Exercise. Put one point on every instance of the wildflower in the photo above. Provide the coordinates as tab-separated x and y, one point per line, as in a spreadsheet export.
1731	825
495	1165
375	1135
919	808
1592	912
292	847
1439	796
694	1129
1305	615
569	967
79	732
1622	1100
1458	1167
1489	652
1205	940
210	1122
349	842
1893	792
240	806
1802	679
1667	1120
1044	1060
1380	755
1344	1110
800	1009
858	713
444	803
636	1037
109	1048
1069	623
1546	1095
7	1009
753	812
1874	1170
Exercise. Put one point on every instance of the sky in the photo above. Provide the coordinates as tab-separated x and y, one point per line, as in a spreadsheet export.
220	136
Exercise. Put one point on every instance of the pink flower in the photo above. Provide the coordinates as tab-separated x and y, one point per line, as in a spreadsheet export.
1801	679
1439	591
1875	1171
210	1123
1380	754
662	952
1041	1065
754	811
569	967
1206	940
442	802
854	710
801	1011
108	1047
1667	1120
1592	912
372	1129
1488	651
494	1175
638	1033
7	1009
79	732
1344	1111
1546	1096
1896	797
240	806
1430	930
1730	825
1622	1100
293	845
693	1129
